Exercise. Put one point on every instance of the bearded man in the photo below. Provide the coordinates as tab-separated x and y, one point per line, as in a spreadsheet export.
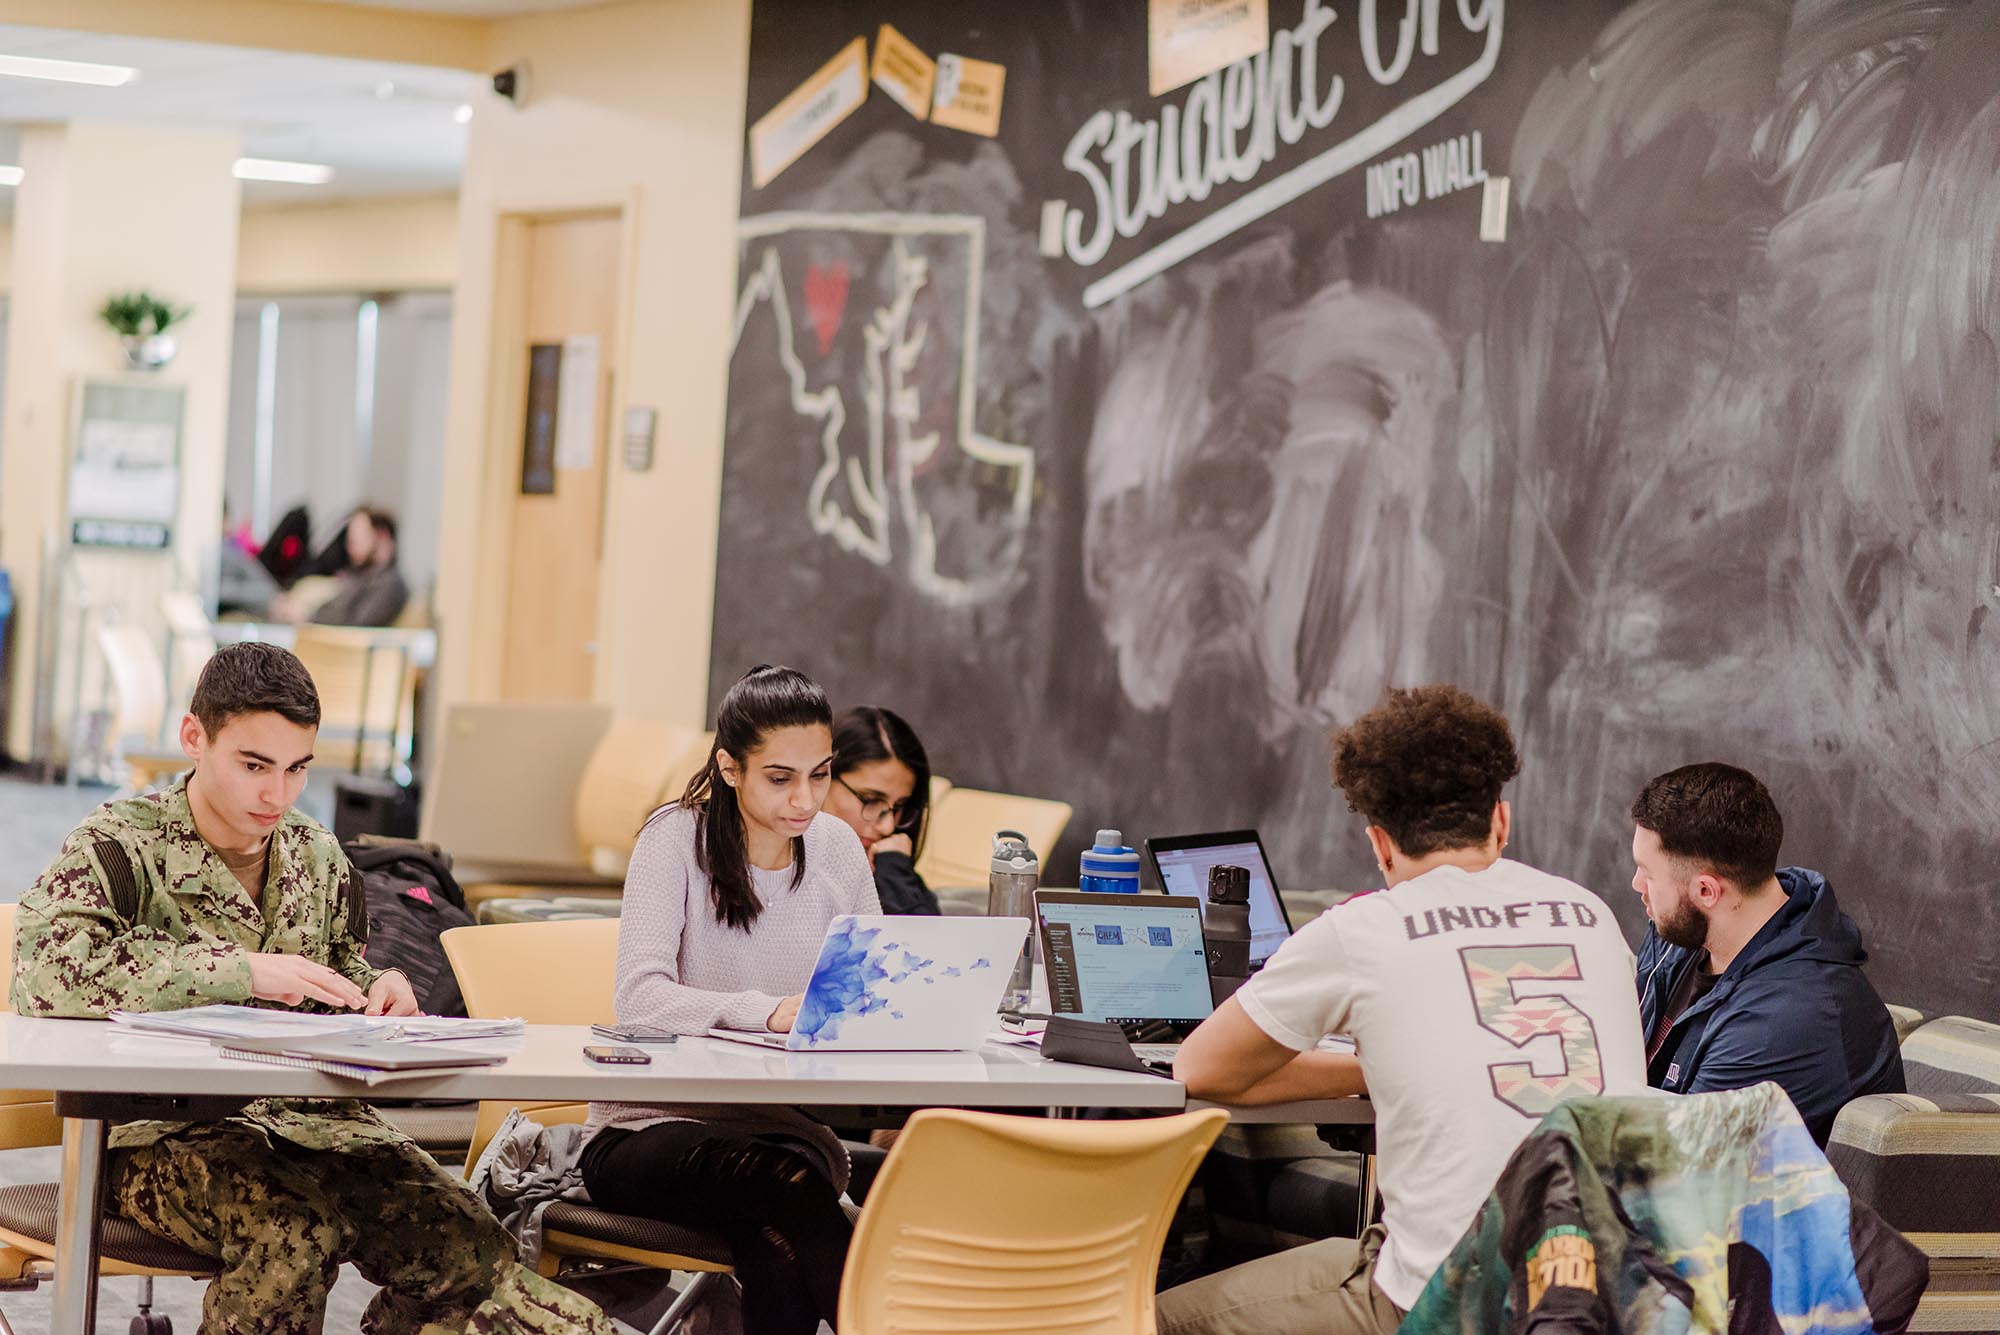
1749	971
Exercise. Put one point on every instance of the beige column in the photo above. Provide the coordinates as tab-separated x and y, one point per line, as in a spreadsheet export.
108	208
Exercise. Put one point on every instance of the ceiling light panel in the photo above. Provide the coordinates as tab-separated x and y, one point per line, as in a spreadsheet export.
67	71
275	169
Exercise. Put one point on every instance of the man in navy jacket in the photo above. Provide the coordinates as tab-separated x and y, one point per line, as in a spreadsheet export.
1749	971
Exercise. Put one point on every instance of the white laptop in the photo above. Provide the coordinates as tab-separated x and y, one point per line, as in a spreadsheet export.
887	983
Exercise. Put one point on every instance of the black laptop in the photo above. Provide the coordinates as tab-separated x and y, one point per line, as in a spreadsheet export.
1182	864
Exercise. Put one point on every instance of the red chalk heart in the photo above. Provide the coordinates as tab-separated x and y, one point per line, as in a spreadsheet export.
826	301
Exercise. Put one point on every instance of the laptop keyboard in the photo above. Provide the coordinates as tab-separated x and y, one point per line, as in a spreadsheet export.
1156	1052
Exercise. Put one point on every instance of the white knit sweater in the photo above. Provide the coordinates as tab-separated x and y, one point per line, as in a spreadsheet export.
683	970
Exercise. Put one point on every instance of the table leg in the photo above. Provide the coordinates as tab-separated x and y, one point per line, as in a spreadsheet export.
361	727
1364	1210
77	1212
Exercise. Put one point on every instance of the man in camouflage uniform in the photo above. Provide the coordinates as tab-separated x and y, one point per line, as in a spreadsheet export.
216	891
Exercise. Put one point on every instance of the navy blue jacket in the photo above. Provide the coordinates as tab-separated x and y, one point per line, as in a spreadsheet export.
1794	1007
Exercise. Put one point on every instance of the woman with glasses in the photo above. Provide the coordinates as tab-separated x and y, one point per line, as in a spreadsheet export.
882	788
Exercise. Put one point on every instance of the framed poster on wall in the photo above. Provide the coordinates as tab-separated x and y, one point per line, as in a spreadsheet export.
538	438
125	469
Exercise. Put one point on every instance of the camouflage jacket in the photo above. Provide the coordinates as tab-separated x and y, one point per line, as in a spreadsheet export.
140	913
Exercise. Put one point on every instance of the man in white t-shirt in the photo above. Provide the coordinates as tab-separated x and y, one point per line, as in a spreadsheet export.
1479	993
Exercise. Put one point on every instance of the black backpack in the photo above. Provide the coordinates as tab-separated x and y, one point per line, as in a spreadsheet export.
412	898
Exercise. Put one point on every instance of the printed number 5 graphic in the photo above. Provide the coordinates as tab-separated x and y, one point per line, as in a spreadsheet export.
1495	974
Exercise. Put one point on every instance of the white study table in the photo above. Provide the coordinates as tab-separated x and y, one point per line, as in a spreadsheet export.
103	1074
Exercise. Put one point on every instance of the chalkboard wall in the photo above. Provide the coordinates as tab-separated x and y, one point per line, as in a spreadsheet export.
1698	463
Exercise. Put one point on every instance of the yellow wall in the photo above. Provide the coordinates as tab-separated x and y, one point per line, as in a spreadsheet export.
388	245
74	216
381	245
365	32
637	106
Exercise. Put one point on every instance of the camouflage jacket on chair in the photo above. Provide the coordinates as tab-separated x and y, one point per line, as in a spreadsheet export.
140	913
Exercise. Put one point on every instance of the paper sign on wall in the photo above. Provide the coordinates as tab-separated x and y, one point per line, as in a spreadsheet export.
124	480
904	72
809	112
968	94
1191	38
576	404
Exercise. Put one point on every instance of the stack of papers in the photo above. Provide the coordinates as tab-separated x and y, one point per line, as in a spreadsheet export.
362	1055
219	1023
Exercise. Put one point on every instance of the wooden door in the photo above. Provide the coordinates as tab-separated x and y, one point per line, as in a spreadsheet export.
553	576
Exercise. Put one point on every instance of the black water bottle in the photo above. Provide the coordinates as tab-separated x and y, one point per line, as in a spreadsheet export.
1226	927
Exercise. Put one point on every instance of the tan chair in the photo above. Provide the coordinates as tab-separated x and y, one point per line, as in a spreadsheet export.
636	765
1065	1235
190	644
28	1212
136	709
347	663
958	847
563	973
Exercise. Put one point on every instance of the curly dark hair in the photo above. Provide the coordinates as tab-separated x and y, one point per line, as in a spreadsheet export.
254	678
1716	816
1426	767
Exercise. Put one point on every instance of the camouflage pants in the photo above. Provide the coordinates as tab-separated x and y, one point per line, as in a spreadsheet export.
283	1218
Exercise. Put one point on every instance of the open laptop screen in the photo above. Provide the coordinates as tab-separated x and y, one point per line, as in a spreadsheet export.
1124	958
1183	865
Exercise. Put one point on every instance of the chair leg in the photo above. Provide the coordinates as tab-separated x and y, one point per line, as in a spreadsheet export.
682	1306
5	1329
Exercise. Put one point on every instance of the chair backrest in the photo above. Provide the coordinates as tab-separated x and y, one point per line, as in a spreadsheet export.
1907	1020
958	847
138	683
623	781
502	779
192	639
1953	1054
545	972
184	616
27	1116
685	766
1065	1236
343	669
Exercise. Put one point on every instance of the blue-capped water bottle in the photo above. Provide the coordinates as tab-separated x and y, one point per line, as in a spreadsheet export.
1109	866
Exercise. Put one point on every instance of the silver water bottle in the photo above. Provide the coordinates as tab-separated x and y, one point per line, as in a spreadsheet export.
1010	893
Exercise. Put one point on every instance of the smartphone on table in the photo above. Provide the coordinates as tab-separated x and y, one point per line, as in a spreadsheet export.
633	1033
616	1056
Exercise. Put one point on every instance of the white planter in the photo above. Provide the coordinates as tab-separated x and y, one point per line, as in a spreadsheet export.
147	352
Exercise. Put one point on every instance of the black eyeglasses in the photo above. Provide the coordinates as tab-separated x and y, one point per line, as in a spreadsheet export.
874	806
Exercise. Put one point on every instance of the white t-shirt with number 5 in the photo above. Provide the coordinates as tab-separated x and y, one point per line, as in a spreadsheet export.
1477	1001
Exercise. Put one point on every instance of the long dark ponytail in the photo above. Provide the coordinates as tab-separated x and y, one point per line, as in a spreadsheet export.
765	700
867	733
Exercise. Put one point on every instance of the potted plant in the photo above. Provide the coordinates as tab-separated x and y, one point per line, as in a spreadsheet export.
141	321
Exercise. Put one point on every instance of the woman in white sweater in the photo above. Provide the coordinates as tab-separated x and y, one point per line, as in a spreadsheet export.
727	899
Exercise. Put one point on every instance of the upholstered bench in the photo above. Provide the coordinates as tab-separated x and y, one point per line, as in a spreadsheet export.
1929	1163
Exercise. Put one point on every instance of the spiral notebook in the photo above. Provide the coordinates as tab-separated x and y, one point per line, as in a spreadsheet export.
369	1058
